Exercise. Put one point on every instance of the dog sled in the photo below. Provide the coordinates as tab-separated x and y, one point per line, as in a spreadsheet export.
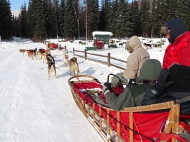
52	46
151	123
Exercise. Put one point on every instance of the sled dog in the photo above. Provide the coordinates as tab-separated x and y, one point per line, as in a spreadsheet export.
31	53
42	56
51	65
73	66
65	58
22	51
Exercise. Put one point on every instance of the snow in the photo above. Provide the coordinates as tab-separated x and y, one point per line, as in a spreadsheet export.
101	33
35	109
15	12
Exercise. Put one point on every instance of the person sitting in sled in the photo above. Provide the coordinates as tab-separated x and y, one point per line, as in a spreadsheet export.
172	85
132	96
179	48
138	55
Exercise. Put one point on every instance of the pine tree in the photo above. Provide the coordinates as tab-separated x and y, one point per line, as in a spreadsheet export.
39	29
102	18
114	18
77	13
6	24
70	20
16	29
159	17
108	16
145	9
62	17
121	20
135	22
183	12
93	17
50	24
56	16
22	22
171	7
153	18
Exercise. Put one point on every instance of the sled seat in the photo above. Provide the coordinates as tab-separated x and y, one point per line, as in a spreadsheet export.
157	122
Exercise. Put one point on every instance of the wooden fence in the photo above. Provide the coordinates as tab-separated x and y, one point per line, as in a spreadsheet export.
108	58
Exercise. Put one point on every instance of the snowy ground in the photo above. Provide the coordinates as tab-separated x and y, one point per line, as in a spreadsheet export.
35	109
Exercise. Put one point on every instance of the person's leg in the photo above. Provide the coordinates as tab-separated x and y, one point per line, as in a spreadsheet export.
99	100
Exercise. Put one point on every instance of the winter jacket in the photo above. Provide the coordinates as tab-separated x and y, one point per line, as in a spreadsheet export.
180	75
132	96
136	59
179	49
150	98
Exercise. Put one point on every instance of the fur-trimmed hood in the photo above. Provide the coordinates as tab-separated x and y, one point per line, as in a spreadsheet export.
134	43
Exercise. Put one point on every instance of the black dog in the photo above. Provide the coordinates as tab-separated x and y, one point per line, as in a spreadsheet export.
51	65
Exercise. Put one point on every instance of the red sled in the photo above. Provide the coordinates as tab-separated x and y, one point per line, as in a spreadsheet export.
151	123
52	46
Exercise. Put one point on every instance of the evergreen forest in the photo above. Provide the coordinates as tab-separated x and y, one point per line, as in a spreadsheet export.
74	19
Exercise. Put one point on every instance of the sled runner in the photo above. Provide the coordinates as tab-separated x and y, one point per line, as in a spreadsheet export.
151	123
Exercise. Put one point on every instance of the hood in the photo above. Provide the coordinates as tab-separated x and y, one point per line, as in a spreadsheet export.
180	75
150	70
134	43
176	28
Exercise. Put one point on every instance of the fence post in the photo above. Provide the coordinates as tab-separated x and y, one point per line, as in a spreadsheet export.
73	51
109	59
85	54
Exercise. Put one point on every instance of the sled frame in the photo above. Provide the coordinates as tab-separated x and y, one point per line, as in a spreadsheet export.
171	129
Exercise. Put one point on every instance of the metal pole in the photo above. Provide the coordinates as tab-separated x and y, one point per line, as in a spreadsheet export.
55	2
86	21
78	9
78	28
58	42
77	17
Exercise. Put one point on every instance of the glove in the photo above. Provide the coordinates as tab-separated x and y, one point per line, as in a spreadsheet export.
106	87
131	82
163	82
95	95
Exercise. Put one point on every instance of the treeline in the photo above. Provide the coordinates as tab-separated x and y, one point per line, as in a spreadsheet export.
79	18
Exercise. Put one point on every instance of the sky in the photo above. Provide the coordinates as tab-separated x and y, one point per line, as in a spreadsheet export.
16	4
35	109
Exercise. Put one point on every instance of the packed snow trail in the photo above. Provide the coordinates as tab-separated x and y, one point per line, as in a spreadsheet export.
34	108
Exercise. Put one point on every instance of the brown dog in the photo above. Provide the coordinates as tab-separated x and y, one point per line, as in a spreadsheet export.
73	66
51	65
42	56
31	53
22	51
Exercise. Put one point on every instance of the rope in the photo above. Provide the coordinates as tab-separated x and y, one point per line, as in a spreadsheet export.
135	132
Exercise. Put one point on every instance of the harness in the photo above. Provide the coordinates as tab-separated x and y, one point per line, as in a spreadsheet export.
50	64
66	56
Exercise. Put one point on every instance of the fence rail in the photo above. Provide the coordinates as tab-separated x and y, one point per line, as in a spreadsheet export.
108	58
